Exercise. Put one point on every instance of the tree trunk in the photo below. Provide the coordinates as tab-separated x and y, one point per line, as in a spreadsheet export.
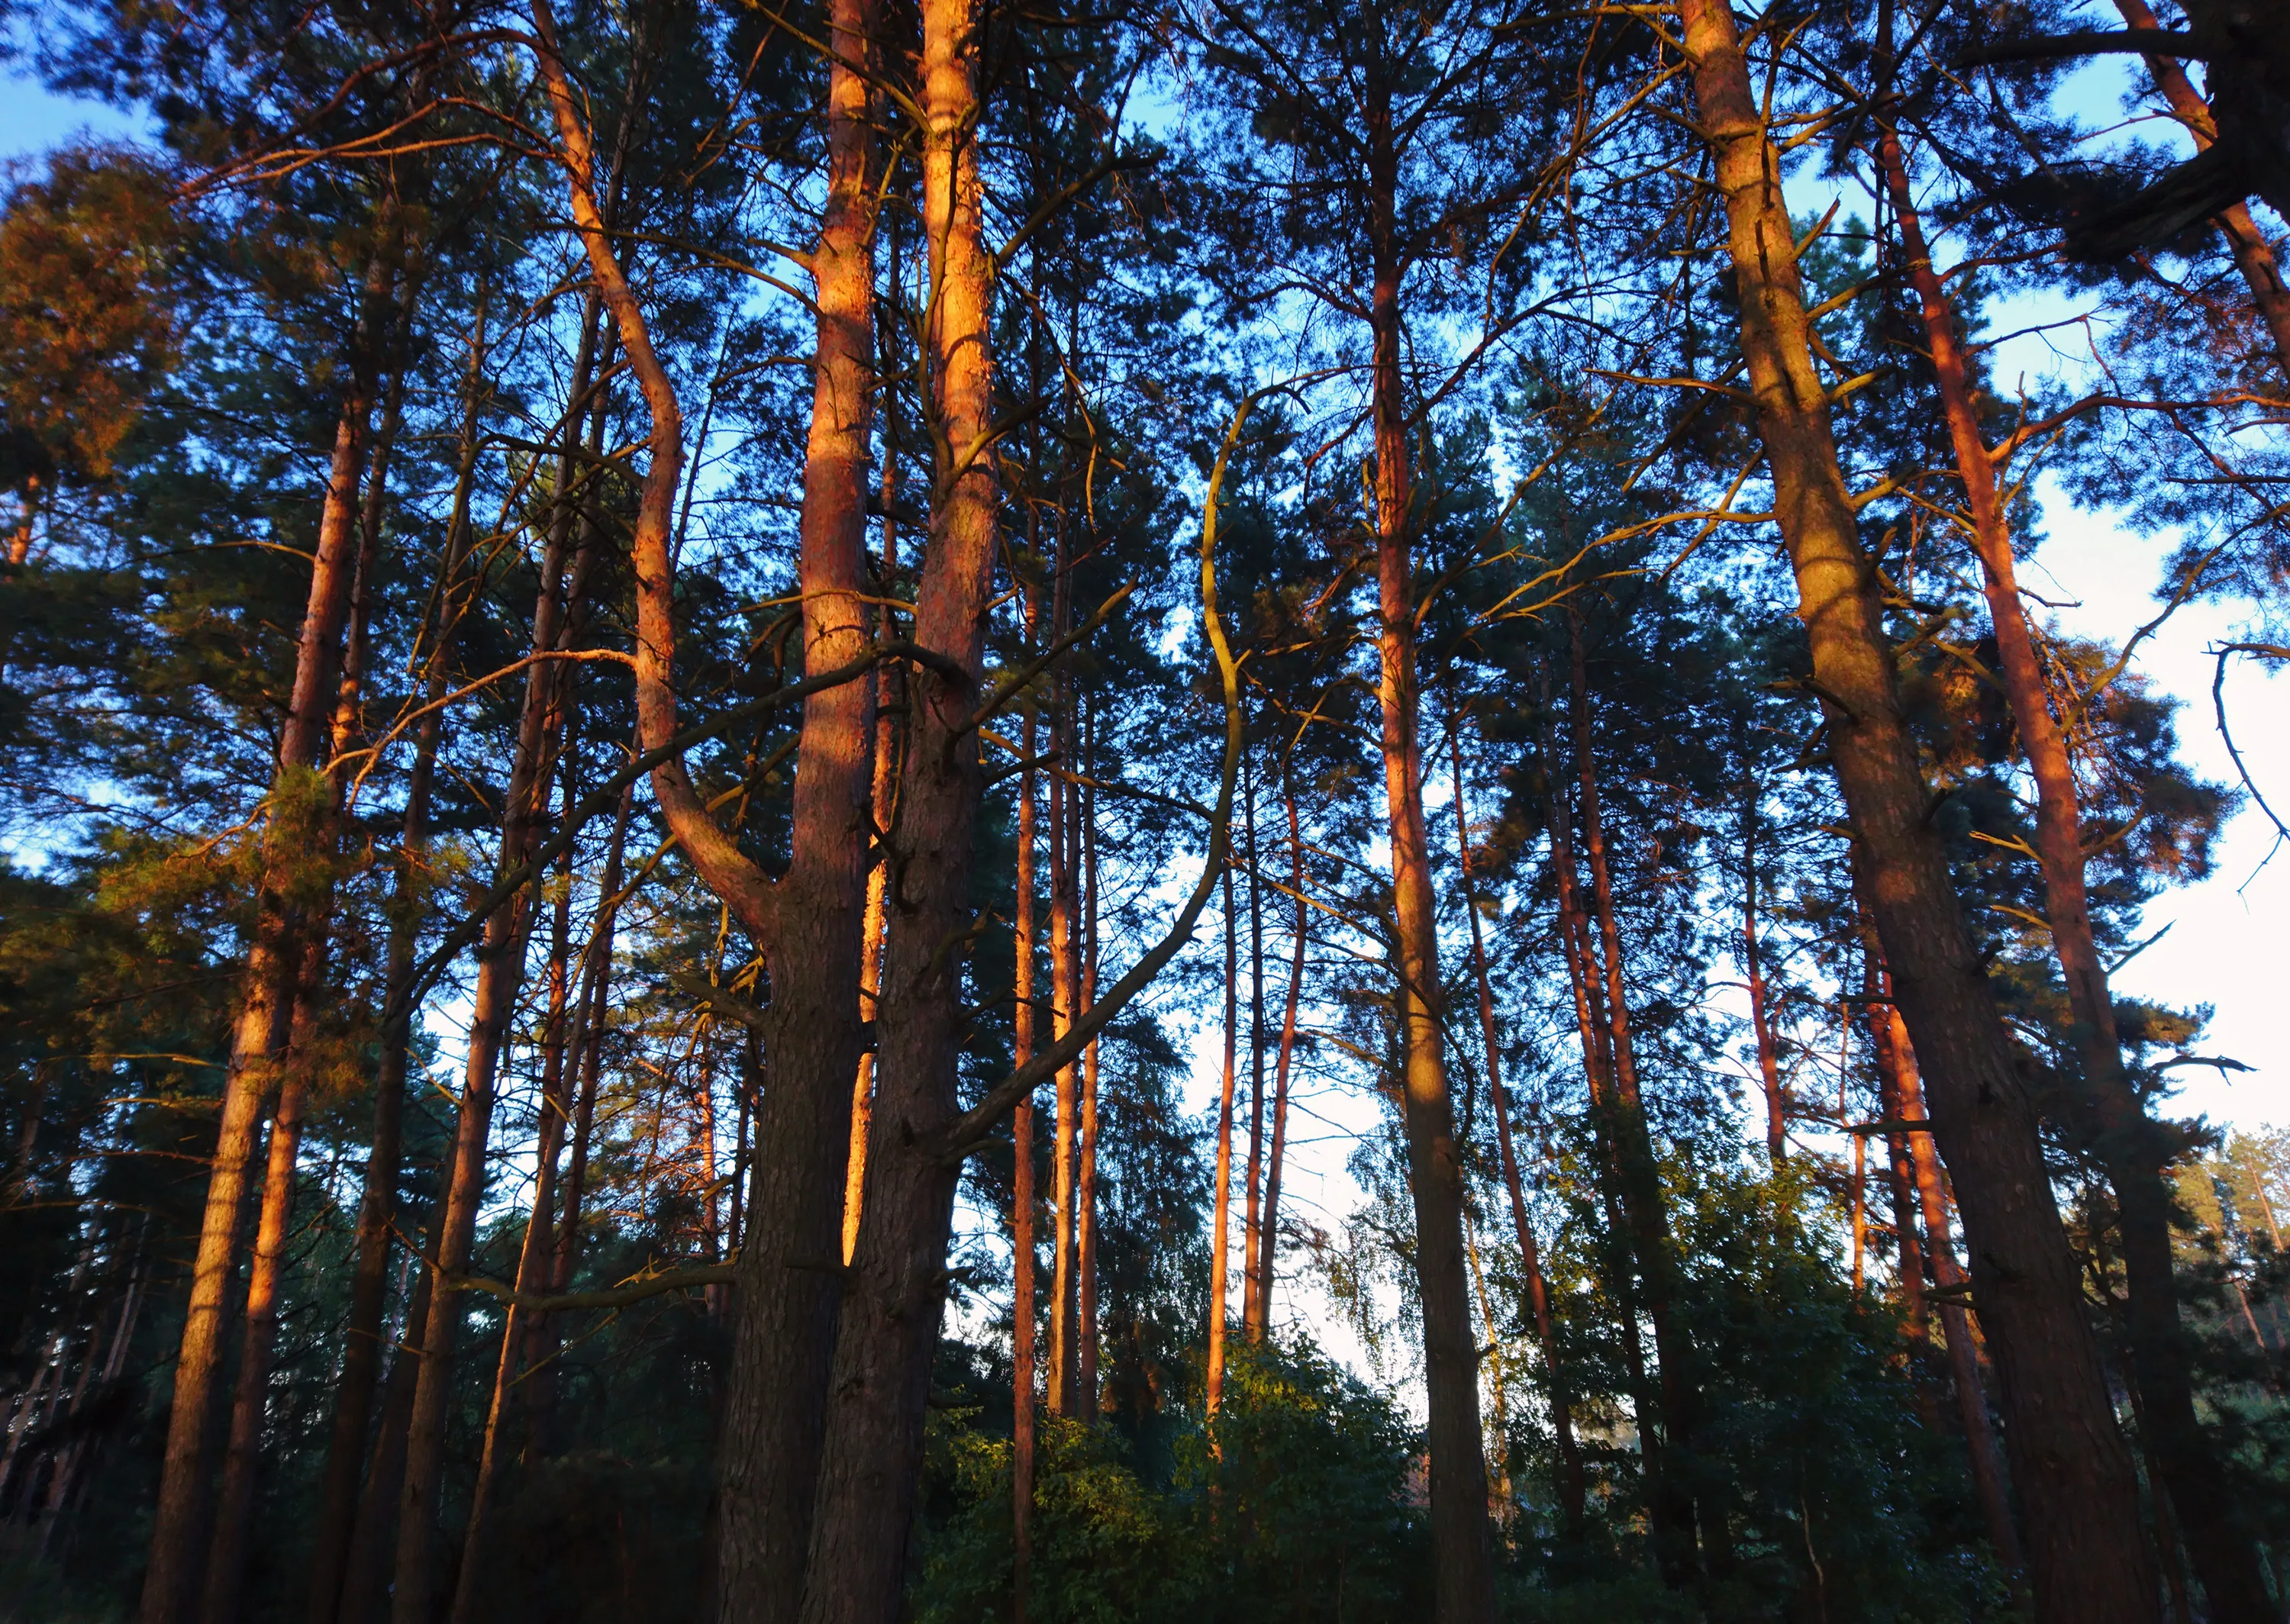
1022	1203
2136	1151
1267	1238
1574	1486
1640	1176
895	1289
1898	1062
1463	1556
171	1579
2089	1555
1221	1222
1251	1244
1086	1180
354	1386
1753	969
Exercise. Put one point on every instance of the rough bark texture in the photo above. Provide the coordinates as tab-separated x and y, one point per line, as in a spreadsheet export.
871	1465
2087	1549
1022	1198
2136	1151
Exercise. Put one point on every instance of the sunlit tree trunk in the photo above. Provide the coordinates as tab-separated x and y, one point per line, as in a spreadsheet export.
2136	1151
2088	1553
1462	1554
171	1579
1064	1372
894	1293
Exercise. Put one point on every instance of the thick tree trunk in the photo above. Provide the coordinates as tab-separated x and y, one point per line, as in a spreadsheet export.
1905	1083
871	1468
1463	1556
1574	1486
2134	1149
171	1579
2088	1551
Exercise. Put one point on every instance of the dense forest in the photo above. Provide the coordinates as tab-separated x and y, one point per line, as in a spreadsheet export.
873	810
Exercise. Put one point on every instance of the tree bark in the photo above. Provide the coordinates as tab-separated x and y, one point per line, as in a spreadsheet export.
2136	1151
1022	1199
2088	1556
1463	1552
1086	1179
1268	1239
895	1289
354	1386
1252	1245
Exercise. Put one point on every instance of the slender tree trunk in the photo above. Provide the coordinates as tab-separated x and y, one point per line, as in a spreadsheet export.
1221	1222
1672	1525
1022	1201
233	1508
171	1579
1064	980
354	1387
895	1289
2252	257
1267	1238
1463	1556
364	1563
1252	1242
1086	1180
535	1255
2136	1151
1572	1482
2088	1558
1753	969
1643	1201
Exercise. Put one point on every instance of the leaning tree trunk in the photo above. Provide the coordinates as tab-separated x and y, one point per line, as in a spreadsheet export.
2136	1151
2088	1551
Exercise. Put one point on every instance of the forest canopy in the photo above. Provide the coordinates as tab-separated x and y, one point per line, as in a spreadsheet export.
892	810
